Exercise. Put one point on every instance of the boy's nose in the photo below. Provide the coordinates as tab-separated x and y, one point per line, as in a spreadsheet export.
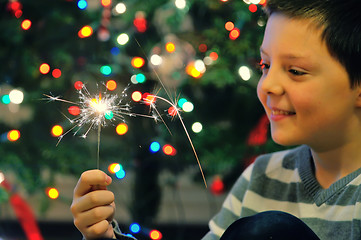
271	83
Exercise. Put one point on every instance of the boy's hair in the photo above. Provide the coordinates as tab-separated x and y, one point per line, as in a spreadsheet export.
341	24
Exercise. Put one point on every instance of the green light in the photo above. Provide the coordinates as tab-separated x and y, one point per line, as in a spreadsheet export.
5	99
108	115
106	70
181	102
140	78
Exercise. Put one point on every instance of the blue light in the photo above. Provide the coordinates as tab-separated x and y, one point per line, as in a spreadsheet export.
115	51
140	78
181	102
5	99
120	174
82	4
154	147
134	227
106	70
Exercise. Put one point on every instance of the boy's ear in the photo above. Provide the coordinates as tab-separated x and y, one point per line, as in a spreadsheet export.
358	99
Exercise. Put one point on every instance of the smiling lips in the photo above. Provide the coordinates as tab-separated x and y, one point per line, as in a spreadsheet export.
277	115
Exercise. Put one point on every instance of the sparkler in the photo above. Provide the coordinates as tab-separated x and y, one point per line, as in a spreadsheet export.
96	111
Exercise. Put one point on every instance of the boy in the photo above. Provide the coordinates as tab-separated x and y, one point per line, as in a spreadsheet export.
311	91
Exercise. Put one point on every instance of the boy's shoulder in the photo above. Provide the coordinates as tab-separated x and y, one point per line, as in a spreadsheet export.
280	163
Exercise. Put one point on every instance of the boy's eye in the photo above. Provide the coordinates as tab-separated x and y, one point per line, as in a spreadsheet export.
296	72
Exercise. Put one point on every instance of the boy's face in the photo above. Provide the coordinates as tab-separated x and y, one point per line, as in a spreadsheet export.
305	92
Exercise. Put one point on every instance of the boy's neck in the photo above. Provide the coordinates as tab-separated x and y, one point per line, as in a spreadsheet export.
334	164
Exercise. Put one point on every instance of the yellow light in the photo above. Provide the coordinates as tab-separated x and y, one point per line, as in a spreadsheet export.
136	96
44	68
106	3
111	85
53	193
170	47
86	31
197	127
155	235
229	26
121	129
149	99
13	135
26	24
138	62
114	167
57	131
195	73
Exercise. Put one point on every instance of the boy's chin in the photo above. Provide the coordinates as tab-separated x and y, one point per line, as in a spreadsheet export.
285	141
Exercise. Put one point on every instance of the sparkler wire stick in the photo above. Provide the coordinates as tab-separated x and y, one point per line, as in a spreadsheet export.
178	114
98	153
187	134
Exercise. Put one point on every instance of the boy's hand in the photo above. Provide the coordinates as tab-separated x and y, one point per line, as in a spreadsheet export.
93	205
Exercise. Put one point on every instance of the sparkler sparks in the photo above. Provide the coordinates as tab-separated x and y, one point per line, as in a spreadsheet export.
96	111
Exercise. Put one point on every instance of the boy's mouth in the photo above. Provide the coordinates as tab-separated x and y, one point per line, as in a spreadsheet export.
282	112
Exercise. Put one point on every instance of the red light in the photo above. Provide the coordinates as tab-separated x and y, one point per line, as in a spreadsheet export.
74	110
56	73
202	47
140	23
18	13
217	186
213	56
169	150
155	235
14	6
78	85
252	8
172	111
234	34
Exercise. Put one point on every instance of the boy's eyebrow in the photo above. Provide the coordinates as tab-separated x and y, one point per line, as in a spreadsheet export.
286	56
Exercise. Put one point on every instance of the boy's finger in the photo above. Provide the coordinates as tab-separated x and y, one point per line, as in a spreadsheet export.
89	179
98	229
91	200
93	216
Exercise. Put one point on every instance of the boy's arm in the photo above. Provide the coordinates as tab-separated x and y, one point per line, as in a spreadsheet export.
231	208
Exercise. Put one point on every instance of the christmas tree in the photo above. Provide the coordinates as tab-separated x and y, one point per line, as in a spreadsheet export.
200	56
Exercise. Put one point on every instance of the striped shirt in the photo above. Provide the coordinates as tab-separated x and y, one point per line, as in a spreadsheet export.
285	181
